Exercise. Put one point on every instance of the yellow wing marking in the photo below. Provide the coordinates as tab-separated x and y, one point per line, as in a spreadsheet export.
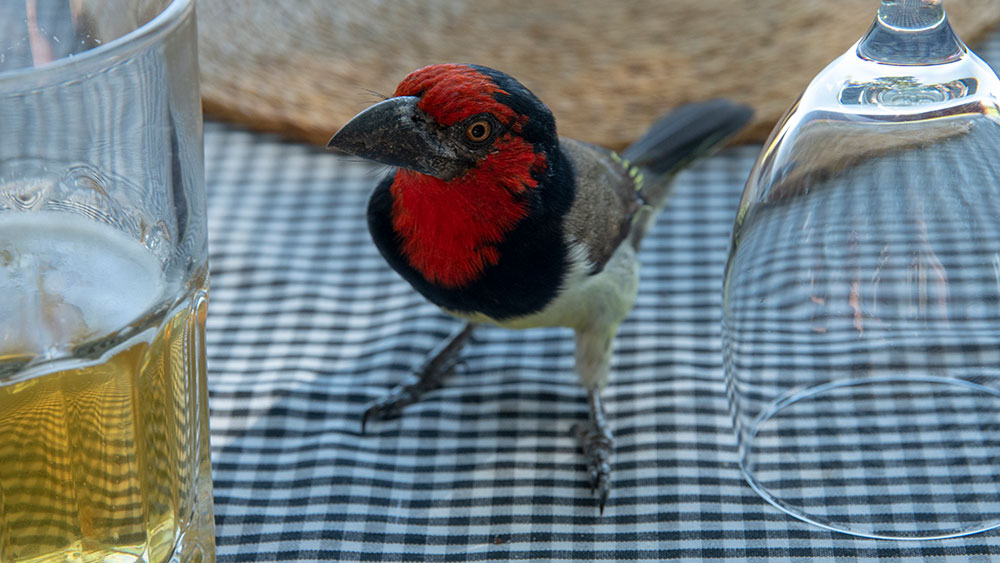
633	171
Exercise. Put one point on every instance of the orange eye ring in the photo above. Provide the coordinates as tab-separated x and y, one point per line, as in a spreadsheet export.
479	130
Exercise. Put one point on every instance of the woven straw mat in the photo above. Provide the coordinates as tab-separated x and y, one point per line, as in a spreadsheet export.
606	69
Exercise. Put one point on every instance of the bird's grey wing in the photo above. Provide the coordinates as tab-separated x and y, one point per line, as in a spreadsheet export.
605	201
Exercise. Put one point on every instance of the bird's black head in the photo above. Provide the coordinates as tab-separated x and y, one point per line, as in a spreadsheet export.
444	119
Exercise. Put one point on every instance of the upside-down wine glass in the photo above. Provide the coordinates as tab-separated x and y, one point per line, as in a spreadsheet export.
861	317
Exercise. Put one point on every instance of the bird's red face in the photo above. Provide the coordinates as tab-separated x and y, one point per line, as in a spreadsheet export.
471	144
449	93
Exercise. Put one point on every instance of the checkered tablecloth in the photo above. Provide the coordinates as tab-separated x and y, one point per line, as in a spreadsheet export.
308	325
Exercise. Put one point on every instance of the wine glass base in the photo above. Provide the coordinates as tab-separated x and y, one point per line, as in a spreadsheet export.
893	456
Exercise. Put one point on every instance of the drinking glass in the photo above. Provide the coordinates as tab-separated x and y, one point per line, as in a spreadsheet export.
861	316
104	452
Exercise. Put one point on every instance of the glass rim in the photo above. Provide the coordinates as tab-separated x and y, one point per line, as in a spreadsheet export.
158	26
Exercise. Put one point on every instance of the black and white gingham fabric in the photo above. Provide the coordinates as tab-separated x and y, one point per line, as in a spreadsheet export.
308	325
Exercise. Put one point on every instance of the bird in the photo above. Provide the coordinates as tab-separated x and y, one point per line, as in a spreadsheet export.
495	218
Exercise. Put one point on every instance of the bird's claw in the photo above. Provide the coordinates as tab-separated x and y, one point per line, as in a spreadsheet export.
597	445
389	406
431	376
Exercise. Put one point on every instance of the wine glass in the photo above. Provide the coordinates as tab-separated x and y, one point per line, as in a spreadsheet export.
861	316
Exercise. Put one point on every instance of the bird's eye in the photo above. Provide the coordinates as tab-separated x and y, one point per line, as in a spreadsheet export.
479	130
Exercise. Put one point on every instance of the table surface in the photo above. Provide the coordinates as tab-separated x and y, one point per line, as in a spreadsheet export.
308	325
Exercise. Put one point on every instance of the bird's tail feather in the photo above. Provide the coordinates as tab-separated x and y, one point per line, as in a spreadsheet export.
680	137
690	132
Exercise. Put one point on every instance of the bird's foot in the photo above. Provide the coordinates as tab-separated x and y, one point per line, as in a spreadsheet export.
598	446
393	403
432	375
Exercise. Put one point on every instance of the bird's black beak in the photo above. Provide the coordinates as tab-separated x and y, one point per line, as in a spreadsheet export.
398	133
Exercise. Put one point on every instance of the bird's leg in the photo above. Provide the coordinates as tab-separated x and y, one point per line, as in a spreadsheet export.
598	445
439	366
593	365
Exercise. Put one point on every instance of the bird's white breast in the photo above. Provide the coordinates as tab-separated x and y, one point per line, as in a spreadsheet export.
585	300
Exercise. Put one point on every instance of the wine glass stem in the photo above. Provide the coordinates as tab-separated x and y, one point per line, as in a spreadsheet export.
911	15
911	32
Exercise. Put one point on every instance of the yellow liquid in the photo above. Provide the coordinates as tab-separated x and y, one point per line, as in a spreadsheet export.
103	425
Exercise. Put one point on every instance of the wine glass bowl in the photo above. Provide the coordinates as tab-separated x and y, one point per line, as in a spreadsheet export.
861	316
